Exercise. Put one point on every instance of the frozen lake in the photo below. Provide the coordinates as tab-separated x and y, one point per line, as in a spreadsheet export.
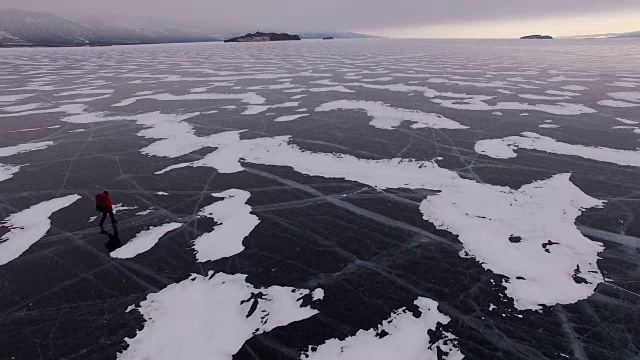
383	199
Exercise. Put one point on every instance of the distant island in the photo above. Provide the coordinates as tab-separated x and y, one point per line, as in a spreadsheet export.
260	36
537	37
327	38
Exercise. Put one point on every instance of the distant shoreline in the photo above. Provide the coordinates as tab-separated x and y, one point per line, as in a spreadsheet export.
5	46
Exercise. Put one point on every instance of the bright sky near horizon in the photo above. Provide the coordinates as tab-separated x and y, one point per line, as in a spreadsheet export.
592	24
397	18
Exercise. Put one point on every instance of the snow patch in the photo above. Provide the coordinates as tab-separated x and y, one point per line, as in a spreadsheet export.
20	108
290	117
34	129
13	98
617	103
406	336
17	149
625	121
387	117
28	226
7	171
257	109
249	98
143	241
632	96
575	88
479	105
543	97
236	222
504	149
211	317
562	93
527	235
120	208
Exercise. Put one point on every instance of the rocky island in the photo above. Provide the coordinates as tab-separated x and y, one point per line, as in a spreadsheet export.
260	36
537	37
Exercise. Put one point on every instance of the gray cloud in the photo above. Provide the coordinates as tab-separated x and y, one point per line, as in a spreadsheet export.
330	14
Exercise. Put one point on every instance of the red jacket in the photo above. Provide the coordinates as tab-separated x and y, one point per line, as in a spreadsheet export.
107	202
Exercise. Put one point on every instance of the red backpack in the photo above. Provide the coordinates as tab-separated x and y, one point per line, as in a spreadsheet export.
101	204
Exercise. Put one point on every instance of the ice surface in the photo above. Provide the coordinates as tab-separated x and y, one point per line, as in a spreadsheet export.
211	317
376	218
406	337
534	211
28	226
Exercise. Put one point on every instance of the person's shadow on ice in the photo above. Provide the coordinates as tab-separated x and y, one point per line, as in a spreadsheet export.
114	241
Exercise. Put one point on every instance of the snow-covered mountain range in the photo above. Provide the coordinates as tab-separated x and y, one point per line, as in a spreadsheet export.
30	28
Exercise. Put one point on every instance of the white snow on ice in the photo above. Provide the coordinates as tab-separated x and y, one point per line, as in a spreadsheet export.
257	109
632	96
479	105
617	103
249	98
538	212
7	171
235	223
17	149
387	117
290	117
574	88
13	98
543	97
20	108
28	226
486	217
34	129
562	93
211	317
406	338
504	149
143	241
629	122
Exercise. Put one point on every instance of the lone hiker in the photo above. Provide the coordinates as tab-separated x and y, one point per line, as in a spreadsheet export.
103	205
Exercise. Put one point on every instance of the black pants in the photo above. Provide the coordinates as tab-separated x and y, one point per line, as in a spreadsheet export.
104	217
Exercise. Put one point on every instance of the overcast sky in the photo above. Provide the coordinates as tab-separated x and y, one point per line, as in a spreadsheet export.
412	18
